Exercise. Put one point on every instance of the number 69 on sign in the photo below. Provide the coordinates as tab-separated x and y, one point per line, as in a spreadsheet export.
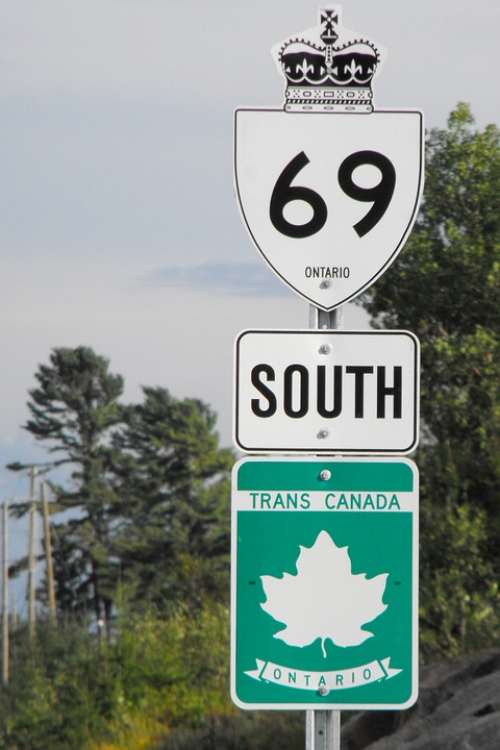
379	195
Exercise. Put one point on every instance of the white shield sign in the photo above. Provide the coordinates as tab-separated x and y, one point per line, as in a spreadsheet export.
329	199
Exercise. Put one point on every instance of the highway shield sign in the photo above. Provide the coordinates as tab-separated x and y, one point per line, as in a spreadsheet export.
329	199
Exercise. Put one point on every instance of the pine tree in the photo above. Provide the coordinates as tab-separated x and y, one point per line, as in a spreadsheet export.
74	409
174	539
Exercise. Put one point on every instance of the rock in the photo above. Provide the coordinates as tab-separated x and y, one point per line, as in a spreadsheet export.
458	709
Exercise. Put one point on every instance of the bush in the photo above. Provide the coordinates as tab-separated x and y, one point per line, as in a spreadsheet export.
69	692
60	691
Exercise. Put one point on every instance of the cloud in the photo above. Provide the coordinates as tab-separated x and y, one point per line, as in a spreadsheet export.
248	279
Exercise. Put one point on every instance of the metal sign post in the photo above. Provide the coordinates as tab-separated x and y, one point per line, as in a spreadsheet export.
323	727
323	730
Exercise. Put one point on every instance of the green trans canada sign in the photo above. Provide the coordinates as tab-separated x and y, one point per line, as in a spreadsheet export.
324	583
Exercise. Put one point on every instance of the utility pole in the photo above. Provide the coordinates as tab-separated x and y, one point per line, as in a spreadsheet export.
31	556
5	596
51	591
15	617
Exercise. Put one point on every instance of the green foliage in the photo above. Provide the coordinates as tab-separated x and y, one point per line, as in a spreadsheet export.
444	287
149	489
73	410
173	540
175	667
445	280
459	595
68	689
59	692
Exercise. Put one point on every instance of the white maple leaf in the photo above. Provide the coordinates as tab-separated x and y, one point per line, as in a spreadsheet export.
325	599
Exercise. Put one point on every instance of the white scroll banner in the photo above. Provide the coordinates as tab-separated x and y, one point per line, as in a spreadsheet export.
343	679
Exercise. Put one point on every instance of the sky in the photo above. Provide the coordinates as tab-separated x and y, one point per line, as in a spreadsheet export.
120	228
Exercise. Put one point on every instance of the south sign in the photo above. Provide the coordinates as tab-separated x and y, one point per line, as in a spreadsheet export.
326	391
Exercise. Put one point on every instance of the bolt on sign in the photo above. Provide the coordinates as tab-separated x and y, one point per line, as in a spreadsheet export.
321	391
324	589
329	200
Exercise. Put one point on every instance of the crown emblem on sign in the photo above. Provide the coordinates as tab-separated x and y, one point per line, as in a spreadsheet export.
326	70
